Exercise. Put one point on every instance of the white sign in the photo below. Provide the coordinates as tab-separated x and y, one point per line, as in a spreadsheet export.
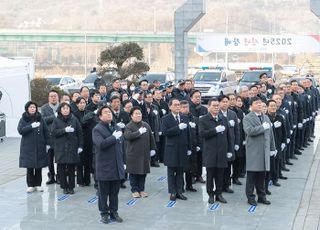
258	43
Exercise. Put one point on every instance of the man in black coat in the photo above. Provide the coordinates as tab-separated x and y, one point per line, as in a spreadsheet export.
234	141
215	131
49	113
197	110
108	141
95	100
177	148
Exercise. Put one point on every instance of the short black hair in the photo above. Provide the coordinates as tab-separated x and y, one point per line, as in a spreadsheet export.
125	102
143	81
53	91
194	91
253	99
102	85
270	101
81	89
254	86
260	76
293	81
114	98
79	99
102	108
95	92
184	102
134	108
171	101
212	100
221	97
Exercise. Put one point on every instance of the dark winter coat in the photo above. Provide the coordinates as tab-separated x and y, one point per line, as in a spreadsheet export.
138	148
66	144
33	152
215	145
109	154
177	141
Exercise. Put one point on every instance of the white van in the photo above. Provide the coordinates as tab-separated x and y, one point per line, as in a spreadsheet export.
212	83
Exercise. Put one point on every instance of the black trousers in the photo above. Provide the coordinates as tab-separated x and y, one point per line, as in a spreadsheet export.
270	175
137	182
227	175
84	168
188	177
255	180
161	149
34	177
67	175
214	176
51	173
108	191
199	164
175	180
293	143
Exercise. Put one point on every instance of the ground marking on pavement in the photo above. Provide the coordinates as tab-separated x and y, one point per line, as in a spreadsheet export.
252	209
214	207
132	202
63	197
162	178
171	204
93	200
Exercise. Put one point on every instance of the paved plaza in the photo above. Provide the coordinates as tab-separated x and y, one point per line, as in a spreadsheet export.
295	205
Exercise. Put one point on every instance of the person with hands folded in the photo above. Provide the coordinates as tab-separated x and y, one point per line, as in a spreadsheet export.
68	144
177	148
259	144
34	146
109	164
140	147
217	149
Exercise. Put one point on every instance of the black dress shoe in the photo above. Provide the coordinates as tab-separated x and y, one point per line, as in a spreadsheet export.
191	189
297	152
51	181
228	190
71	191
301	148
155	164
201	180
268	192
310	140
294	157
242	175
289	163
237	182
65	191
221	199
275	183
264	201
285	169
252	202
181	197
173	197
115	217
283	177
211	199
105	219
123	185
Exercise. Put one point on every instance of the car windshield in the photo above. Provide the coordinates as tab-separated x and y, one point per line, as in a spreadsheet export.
207	76
150	77
54	80
253	76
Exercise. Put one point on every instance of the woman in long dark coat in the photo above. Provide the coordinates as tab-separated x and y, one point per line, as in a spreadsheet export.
140	147
68	142
33	150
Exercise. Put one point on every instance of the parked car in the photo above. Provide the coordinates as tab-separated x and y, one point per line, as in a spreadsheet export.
212	83
251	77
162	77
66	83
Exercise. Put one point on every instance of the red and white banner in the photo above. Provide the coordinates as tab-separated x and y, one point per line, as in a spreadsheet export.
258	43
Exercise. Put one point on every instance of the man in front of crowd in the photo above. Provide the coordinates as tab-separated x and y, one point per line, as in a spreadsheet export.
260	146
177	148
215	131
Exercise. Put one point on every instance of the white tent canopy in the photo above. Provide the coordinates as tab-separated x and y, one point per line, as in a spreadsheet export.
14	84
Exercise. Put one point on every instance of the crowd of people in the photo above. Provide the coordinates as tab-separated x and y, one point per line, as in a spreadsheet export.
117	134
